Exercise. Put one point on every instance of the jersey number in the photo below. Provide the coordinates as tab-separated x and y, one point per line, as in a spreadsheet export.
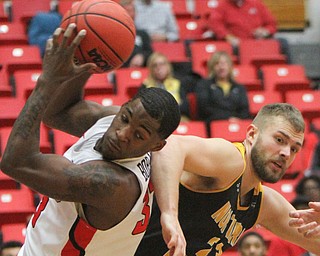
141	225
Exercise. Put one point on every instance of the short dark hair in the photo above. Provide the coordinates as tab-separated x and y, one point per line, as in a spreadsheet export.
250	234
10	244
162	106
300	186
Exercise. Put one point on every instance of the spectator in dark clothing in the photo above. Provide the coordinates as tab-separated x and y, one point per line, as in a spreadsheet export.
142	48
219	97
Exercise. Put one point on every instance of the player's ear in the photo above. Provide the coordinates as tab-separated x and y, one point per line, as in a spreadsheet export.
159	145
251	132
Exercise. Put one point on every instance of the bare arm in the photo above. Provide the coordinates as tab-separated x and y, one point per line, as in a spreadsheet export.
95	183
275	217
69	112
196	155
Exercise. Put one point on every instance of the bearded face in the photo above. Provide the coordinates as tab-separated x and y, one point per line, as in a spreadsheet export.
267	167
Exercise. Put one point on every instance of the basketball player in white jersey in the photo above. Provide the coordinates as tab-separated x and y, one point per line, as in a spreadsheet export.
99	195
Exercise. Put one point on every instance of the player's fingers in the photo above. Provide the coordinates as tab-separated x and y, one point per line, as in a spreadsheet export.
307	227
55	37
296	222
313	233
49	45
315	205
294	214
67	34
76	41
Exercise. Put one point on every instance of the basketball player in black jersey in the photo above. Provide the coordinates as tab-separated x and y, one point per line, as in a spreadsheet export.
214	187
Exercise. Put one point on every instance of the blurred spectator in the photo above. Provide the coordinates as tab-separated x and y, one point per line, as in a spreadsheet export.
142	48
41	27
157	19
220	96
283	247
161	75
10	248
252	244
235	20
310	187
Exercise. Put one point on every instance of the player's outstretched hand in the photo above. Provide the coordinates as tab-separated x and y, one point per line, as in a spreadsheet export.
307	221
58	61
173	235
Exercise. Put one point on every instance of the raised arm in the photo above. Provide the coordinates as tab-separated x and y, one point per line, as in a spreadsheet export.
55	176
67	109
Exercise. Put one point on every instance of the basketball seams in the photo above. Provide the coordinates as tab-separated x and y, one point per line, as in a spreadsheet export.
101	48
84	14
106	43
87	11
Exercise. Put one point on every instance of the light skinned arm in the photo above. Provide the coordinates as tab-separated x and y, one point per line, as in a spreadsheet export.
196	155
274	215
307	221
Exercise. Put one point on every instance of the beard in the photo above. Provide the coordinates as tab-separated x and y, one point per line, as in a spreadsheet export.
259	164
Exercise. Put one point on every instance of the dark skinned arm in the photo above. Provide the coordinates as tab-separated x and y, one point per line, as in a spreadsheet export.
95	183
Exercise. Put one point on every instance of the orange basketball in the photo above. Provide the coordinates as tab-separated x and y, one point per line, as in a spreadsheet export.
110	36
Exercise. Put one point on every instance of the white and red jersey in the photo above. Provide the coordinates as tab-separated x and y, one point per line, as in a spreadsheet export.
57	228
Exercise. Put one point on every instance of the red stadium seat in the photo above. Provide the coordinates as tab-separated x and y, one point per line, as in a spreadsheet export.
12	33
7	182
5	87
284	78
16	205
260	52
257	99
197	128
307	101
191	28
175	51
23	11
201	51
128	80
24	82
65	5
62	141
45	144
247	76
234	131
17	57
99	84
3	13
108	100
179	8
15	231
203	8
193	105
316	123
285	187
9	110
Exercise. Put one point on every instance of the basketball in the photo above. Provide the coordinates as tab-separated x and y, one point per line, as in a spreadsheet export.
110	36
